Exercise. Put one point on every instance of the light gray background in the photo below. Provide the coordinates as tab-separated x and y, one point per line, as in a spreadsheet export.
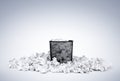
27	26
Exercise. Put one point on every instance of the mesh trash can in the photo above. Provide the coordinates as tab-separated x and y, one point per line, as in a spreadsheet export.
61	50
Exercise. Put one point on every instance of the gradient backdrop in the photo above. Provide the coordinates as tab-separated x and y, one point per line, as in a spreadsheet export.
26	26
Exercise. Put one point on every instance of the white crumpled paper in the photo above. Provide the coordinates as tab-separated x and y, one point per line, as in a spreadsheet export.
40	62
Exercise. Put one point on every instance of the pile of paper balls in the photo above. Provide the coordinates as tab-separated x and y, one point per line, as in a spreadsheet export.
40	62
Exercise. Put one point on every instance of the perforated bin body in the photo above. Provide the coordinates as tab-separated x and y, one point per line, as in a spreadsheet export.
62	50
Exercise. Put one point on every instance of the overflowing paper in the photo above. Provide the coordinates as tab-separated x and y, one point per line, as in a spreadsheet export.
40	62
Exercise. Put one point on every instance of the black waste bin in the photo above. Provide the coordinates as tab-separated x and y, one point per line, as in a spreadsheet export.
61	50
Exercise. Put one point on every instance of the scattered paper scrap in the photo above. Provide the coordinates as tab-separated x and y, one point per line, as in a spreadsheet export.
40	62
